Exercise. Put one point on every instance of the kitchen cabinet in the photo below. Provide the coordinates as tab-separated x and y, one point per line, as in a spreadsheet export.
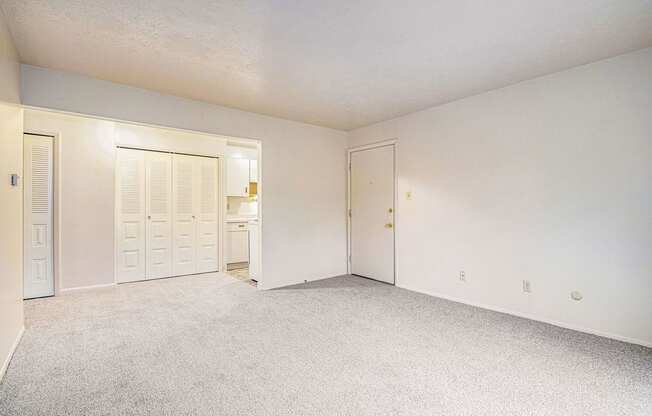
253	171
237	242
237	177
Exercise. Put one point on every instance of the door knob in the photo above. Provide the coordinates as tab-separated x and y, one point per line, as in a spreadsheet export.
389	225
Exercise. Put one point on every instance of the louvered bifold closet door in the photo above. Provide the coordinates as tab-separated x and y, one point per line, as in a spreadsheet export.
37	193
130	210
159	214
184	206
207	216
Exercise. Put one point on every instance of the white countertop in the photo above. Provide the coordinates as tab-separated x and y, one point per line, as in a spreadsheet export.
241	219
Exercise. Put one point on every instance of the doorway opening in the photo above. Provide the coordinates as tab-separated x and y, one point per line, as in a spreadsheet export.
372	211
242	225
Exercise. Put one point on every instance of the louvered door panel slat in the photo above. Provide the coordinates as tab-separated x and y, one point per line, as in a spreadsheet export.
41	170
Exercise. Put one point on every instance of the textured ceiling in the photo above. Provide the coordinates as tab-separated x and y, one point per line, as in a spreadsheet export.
336	63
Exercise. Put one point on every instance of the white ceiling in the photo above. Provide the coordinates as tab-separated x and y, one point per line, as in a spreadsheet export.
336	63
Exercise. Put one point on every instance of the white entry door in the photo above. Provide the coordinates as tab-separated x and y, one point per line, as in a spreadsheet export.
130	212
372	213
38	276
207	214
158	190
184	190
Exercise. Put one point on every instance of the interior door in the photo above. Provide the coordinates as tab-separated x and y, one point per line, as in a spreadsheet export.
185	196
130	210
372	213
207	215
38	273
158	187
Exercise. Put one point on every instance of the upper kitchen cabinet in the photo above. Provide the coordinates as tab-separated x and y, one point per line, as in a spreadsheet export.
237	177
253	171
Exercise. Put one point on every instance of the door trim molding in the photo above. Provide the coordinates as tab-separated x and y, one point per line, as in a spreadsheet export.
383	143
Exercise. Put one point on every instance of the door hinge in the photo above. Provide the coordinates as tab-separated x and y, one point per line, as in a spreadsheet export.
349	213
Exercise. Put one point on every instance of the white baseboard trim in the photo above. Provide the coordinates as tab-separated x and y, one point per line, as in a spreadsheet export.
75	289
533	318
296	282
5	365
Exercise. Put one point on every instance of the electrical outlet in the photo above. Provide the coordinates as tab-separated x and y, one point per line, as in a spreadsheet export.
527	288
463	276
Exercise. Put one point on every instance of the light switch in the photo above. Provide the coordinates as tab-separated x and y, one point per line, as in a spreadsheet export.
13	179
408	195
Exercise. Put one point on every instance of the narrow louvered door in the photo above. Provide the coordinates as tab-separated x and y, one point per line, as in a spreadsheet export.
207	215
130	212
38	256
158	187
184	206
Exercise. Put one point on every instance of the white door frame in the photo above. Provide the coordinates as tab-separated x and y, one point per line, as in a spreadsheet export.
389	142
56	204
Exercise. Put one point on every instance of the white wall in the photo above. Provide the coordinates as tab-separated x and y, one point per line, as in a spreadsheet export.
84	173
11	205
11	232
303	166
9	66
548	180
144	137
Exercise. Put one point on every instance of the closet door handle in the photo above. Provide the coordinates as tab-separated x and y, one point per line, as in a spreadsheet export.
246	190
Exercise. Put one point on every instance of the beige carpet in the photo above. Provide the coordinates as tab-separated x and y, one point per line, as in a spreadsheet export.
213	345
